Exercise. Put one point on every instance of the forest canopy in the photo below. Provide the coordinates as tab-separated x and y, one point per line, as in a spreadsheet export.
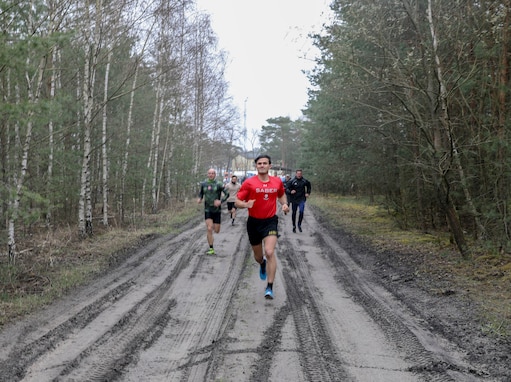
411	103
110	109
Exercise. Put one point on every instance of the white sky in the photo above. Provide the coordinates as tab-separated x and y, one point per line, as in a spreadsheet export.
268	49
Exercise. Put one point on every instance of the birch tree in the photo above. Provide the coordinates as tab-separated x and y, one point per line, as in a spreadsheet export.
92	48
76	80
129	124
33	83
104	143
445	134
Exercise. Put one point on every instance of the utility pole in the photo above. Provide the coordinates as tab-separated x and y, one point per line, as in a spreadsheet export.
245	133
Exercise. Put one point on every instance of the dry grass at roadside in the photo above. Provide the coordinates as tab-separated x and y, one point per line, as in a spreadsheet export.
486	277
50	264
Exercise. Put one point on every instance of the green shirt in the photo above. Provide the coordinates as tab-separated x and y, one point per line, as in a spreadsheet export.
210	191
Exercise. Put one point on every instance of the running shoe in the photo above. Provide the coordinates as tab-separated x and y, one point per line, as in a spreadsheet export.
262	270
211	251
294	229
300	228
268	294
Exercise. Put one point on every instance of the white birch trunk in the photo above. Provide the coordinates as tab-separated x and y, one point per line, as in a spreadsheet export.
53	85
104	145
7	143
156	152
153	137
33	93
83	217
91	50
127	145
444	118
166	159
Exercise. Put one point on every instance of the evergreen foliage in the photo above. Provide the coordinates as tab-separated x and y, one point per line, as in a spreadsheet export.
411	104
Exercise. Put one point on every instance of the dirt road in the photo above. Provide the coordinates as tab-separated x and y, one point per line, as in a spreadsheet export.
172	313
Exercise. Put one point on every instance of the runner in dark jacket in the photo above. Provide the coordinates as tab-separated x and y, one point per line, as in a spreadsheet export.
299	189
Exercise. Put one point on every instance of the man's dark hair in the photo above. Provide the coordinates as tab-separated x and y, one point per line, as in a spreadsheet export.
263	156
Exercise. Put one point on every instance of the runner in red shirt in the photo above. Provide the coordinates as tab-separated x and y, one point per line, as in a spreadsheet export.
260	194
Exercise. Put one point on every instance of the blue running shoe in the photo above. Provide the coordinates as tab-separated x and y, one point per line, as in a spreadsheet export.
268	294
262	270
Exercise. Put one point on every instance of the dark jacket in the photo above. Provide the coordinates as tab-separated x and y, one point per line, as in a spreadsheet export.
286	187
302	186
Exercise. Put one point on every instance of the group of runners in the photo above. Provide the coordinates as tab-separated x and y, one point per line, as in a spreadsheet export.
259	194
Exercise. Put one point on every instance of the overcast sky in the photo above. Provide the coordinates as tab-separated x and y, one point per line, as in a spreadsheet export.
268	49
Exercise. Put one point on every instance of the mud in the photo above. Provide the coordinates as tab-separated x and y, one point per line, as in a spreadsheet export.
166	311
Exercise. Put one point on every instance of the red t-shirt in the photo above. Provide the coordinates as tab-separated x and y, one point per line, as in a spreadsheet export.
265	195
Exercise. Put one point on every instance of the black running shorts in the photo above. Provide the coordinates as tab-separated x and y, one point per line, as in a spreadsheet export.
258	229
215	216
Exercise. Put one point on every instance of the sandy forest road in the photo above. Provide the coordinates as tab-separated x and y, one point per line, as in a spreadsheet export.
172	313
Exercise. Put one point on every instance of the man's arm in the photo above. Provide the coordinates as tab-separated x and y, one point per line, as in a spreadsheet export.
308	188
226	193
283	201
290	185
242	204
238	203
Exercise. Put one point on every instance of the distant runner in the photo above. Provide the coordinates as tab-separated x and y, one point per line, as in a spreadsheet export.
232	188
299	190
211	192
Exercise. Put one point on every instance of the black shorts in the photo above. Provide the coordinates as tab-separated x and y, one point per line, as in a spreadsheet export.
230	206
258	229
215	216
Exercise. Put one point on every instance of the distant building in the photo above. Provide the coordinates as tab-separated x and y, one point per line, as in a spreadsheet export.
243	166
242	163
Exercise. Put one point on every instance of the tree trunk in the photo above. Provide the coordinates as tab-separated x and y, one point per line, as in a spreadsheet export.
53	81
127	145
156	150
91	49
153	138
34	86
453	221
104	144
84	212
445	137
502	156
